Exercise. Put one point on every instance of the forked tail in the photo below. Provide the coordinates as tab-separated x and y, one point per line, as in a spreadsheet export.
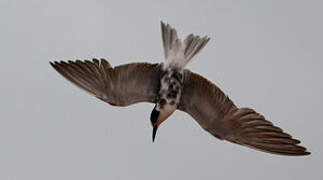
179	52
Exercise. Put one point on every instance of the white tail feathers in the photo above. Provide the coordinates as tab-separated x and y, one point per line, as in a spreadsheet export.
178	52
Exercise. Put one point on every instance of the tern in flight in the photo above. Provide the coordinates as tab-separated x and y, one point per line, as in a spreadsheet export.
170	86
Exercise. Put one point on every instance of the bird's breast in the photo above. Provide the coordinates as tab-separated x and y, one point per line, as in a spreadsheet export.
170	90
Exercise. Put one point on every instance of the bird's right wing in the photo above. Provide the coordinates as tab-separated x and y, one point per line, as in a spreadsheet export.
217	114
121	86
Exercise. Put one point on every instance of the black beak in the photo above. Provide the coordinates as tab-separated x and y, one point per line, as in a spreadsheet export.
153	118
154	132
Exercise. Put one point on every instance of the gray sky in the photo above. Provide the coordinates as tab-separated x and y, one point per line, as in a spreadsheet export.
267	55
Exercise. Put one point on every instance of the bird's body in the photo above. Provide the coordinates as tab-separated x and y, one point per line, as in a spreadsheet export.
170	87
168	98
169	92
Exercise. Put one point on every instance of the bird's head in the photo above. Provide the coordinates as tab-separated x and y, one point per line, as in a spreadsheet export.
157	117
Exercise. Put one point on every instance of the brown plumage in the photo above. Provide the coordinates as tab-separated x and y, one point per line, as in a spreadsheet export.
205	102
121	86
218	115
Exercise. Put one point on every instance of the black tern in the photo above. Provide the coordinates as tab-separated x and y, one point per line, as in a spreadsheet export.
170	86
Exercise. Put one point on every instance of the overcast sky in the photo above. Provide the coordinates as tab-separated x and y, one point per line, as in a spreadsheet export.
264	54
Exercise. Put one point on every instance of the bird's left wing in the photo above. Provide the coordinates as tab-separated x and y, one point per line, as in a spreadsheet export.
217	114
121	86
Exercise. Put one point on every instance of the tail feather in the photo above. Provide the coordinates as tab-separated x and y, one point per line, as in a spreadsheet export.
169	36
178	52
193	45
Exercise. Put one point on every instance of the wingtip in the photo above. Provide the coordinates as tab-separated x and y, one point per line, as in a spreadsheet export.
207	39
94	60
163	23
53	64
307	153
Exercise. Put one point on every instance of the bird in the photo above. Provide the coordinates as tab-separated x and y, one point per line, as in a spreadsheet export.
170	86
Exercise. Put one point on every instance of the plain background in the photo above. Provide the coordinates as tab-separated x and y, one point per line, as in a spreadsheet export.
264	54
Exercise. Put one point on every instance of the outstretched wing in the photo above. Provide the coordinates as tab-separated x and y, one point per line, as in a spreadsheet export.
121	86
217	114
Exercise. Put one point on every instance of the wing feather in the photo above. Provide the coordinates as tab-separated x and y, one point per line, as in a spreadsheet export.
123	85
217	114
